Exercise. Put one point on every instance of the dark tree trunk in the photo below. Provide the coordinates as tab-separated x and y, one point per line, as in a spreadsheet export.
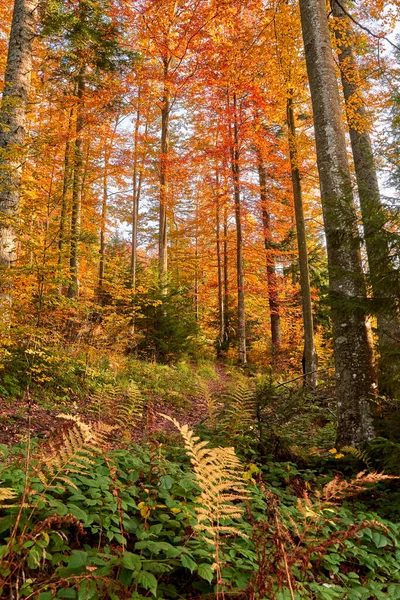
273	297
241	325
163	223
221	303
73	289
310	355
356	386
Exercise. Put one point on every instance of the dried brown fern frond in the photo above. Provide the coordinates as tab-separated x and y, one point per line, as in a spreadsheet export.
7	494
339	488
76	453
223	489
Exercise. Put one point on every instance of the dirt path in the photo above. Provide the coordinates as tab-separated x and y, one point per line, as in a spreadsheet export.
15	415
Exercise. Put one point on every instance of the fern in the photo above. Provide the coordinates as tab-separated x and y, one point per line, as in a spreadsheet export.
361	455
123	406
7	494
339	488
79	445
222	489
240	411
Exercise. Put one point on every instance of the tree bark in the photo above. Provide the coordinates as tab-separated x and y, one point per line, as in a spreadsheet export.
310	355
226	278
241	325
381	269
356	386
13	123
273	297
163	223
103	218
64	195
221	303
73	289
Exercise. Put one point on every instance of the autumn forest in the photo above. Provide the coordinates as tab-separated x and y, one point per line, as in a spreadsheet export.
199	299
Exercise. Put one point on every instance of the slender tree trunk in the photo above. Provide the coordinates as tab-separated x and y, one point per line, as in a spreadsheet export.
381	269
310	355
103	220
73	289
163	224
273	298
221	304
64	194
355	376
13	123
226	278
241	327
137	181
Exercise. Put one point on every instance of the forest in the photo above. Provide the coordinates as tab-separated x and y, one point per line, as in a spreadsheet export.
199	299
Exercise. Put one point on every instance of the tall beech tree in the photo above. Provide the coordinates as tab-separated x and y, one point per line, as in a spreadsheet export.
13	123
356	385
382	271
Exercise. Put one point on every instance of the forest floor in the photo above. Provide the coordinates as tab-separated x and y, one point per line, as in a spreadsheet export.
19	415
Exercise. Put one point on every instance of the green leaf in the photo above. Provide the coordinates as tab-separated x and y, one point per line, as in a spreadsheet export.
379	540
87	590
394	591
78	559
188	563
77	512
66	593
131	561
34	557
166	482
205	572
147	581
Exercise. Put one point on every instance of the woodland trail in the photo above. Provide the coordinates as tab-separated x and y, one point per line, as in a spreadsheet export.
16	414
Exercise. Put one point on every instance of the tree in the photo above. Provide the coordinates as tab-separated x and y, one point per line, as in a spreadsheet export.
356	385
13	123
382	272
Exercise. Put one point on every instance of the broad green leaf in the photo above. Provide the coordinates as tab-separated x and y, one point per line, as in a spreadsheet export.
188	563
131	561
205	572
147	581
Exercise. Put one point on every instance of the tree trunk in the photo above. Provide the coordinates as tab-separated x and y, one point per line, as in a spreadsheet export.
137	183
13	123
241	326
73	289
273	298
355	376
381	269
221	304
64	194
310	355
103	218
163	226
226	278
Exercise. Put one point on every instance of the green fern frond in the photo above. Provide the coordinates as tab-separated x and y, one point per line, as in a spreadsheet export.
240	410
121	405
361	455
